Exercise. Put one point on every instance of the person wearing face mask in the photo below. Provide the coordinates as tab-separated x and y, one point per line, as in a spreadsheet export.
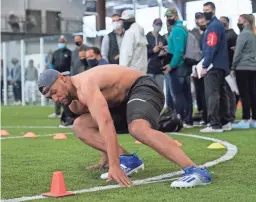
215	54
78	61
244	65
231	42
198	31
60	61
156	43
133	52
177	70
94	58
111	42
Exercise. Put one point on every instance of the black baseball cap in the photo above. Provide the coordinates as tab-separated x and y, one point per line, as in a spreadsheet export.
157	21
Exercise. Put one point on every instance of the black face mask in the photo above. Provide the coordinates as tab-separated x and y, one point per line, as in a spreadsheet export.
92	62
225	24
208	15
171	21
240	26
78	43
127	25
202	27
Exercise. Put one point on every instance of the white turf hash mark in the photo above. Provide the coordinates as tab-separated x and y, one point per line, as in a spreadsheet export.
231	152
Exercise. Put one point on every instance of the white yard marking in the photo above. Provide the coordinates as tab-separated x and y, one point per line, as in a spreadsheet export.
231	152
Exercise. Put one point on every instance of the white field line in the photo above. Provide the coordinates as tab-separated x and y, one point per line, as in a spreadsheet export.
36	127
231	152
21	137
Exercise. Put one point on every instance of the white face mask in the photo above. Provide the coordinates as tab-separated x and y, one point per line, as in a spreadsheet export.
158	28
116	25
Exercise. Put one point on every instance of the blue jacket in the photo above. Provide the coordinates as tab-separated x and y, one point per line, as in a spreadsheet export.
215	49
177	42
103	62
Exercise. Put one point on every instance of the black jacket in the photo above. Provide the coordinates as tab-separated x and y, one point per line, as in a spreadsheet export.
154	63
61	60
231	40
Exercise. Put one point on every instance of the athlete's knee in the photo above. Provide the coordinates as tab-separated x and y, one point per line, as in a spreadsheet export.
77	124
138	127
81	126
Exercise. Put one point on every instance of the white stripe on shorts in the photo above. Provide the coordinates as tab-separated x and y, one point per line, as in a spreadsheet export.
136	99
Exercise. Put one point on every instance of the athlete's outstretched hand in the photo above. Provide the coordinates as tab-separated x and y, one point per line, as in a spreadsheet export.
117	174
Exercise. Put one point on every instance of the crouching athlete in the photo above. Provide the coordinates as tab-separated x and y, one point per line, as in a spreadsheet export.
112	95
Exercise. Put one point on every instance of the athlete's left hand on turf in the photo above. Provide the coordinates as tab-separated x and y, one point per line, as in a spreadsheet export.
117	174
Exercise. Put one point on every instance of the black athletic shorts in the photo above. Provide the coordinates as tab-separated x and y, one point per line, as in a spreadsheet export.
145	100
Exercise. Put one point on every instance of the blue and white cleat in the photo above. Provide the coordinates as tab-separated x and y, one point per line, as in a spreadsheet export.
193	177
130	164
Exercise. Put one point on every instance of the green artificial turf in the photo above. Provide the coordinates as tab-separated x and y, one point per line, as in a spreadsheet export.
27	164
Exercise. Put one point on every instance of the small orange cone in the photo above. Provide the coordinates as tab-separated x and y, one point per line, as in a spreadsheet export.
239	105
58	187
179	144
30	135
137	142
60	136
4	133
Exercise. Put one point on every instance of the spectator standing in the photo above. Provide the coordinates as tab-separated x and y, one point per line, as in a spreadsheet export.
31	76
167	78
16	81
231	37
111	43
133	51
60	61
215	52
94	58
244	64
78	62
156	42
178	71
199	83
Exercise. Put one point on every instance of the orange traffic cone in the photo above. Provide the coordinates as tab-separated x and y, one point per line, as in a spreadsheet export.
179	144
4	133
58	187
60	136
137	142
30	135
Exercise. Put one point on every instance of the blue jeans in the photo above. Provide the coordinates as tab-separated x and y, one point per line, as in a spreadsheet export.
181	88
169	93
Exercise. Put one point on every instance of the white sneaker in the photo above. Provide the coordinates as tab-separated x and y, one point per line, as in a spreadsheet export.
187	126
53	116
227	127
68	126
211	130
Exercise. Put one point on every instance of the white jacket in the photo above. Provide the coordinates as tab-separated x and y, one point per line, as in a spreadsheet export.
133	52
